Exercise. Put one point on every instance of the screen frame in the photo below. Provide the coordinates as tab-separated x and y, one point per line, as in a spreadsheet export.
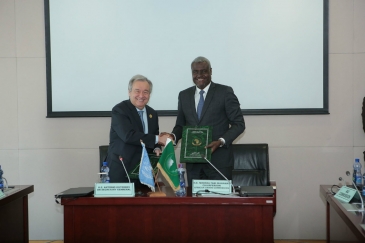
296	111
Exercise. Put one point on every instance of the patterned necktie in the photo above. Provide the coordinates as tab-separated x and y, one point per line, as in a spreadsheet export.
140	113
200	104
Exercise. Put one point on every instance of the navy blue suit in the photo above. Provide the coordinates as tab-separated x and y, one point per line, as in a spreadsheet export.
222	111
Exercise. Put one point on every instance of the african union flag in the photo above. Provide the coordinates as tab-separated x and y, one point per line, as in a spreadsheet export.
168	167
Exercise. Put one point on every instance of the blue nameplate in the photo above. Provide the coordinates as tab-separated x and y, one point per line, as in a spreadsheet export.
345	194
114	190
212	186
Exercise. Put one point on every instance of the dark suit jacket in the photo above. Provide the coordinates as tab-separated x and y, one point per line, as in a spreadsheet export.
125	134
221	110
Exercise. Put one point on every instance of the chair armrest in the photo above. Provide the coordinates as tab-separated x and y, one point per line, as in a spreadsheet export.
273	184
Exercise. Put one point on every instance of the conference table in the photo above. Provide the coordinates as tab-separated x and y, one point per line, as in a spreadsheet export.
169	219
352	219
14	222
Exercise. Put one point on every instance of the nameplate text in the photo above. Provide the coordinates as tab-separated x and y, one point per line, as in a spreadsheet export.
114	190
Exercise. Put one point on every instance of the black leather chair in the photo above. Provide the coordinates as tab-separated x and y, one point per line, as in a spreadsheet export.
103	154
251	165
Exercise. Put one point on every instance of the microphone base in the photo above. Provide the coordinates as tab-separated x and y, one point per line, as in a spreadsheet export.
359	211
354	207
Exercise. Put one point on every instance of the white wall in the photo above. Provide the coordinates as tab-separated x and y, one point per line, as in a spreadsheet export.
55	154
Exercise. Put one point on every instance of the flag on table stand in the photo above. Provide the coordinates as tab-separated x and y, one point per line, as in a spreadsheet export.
168	167
145	170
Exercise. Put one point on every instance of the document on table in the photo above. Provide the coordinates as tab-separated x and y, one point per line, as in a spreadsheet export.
351	206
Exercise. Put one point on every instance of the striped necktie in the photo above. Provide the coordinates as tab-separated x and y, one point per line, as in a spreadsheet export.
140	113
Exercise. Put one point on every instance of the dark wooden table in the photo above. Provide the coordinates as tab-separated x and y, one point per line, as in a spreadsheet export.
352	219
14	214
169	219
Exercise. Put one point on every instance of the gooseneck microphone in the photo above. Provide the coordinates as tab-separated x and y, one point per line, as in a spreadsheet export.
362	202
121	160
202	155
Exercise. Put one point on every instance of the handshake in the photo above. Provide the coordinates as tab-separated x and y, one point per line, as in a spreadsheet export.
163	137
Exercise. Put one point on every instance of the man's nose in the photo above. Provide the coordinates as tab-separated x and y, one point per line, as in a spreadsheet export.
200	73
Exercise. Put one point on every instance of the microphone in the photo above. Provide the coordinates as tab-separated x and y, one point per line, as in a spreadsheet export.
362	202
121	160
340	179
203	156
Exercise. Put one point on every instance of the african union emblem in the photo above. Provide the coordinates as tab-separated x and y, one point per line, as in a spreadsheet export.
171	164
196	142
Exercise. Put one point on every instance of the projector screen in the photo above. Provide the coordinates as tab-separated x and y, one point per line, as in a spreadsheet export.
273	53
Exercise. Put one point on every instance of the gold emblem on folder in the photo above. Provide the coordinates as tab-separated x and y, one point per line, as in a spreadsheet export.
196	142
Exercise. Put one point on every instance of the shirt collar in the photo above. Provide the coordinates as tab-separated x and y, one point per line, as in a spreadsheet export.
144	109
197	90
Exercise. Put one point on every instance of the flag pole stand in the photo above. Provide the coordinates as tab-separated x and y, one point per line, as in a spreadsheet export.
159	193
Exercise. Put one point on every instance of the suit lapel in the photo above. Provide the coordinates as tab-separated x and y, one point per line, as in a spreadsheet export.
149	118
192	103
135	115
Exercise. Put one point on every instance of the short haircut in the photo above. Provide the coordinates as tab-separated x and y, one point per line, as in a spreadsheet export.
201	59
139	77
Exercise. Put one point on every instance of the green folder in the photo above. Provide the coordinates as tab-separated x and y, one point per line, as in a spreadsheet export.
193	142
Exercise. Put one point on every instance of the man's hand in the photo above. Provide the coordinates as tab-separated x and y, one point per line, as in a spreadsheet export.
214	145
157	151
162	139
170	136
